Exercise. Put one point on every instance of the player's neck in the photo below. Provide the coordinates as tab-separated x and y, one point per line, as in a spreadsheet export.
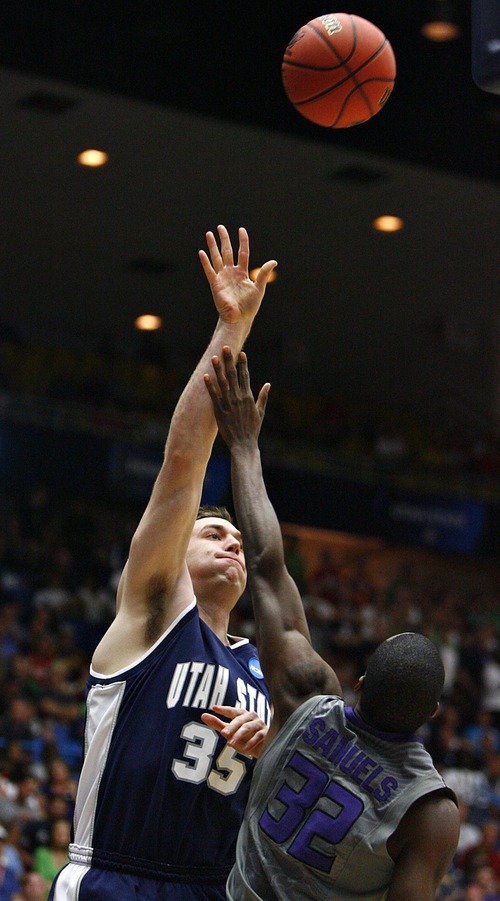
216	619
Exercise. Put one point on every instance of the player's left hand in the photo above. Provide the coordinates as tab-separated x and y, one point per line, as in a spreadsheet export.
245	731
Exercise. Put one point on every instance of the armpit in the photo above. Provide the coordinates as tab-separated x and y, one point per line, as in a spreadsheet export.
156	599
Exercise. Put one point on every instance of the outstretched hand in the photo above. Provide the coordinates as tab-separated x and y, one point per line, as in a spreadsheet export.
239	417
235	295
245	731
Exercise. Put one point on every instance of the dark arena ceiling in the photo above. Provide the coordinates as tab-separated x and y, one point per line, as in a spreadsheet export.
187	100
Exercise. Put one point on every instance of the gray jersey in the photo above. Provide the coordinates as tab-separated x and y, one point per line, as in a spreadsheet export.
325	797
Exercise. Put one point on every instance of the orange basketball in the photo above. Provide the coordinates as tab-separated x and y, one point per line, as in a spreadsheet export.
338	70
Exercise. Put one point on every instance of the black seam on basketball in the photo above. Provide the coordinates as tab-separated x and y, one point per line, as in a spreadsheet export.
351	74
342	108
294	65
337	84
367	61
349	95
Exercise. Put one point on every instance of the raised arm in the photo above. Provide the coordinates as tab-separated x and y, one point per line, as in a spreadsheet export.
156	566
293	670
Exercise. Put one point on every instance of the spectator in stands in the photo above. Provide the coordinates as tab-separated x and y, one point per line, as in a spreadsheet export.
29	805
41	652
324	582
49	859
485	853
359	584
36	832
20	721
444	740
32	888
9	882
468	781
482	885
373	623
481	736
54	593
470	833
16	758
492	773
61	782
71	658
61	700
94	601
449	648
491	685
19	681
10	632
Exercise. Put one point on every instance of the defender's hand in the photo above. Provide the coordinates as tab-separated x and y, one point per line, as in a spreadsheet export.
239	417
245	731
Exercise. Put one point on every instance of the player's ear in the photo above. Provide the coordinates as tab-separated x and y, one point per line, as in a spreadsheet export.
435	711
359	684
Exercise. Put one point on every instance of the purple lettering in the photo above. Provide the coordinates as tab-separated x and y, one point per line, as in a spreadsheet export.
385	789
338	753
350	763
369	779
312	730
326	742
361	770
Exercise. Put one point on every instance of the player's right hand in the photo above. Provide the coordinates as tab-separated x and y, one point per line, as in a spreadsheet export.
235	295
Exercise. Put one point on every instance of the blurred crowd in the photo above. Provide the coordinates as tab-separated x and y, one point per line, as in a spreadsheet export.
59	564
60	561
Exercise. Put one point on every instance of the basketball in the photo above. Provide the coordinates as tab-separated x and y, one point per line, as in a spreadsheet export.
338	70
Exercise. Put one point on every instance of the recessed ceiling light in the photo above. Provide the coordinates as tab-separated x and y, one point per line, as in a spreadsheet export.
148	322
388	223
441	22
441	31
92	158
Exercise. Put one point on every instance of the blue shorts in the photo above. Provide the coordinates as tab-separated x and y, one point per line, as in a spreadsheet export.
82	883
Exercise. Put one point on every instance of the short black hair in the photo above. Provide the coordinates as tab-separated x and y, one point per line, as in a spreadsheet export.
207	510
403	682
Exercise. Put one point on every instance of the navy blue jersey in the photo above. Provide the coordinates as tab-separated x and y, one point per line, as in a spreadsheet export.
160	793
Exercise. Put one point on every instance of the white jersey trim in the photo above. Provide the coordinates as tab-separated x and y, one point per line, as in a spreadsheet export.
103	705
69	880
235	641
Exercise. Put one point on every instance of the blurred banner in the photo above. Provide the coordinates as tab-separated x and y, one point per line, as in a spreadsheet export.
133	470
444	523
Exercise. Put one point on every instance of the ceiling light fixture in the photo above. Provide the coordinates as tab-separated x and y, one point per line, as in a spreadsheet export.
388	224
441	24
92	158
148	322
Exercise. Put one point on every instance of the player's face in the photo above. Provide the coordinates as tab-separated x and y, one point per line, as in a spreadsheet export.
215	551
